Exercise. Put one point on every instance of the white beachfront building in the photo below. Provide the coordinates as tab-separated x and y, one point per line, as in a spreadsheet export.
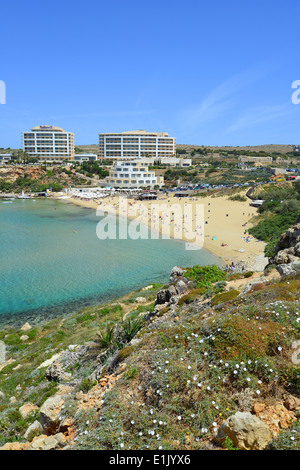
85	157
5	157
133	174
49	143
136	144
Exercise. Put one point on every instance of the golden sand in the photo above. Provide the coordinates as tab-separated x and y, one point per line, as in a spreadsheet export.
224	228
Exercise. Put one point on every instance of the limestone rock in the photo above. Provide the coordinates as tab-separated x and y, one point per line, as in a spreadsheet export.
48	362
26	327
26	409
49	414
55	372
141	300
180	286
48	442
34	429
15	446
276	416
246	431
176	273
286	269
164	295
171	291
292	403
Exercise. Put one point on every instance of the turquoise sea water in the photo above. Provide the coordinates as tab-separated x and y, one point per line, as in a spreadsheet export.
51	260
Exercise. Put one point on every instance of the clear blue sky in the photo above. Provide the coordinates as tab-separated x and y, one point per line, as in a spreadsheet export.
209	73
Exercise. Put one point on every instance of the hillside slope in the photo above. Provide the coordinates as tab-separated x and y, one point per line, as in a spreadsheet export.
168	367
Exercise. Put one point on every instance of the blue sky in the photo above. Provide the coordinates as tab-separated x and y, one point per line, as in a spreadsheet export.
209	73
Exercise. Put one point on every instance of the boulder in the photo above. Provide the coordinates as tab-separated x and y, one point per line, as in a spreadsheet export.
164	295
171	291
292	403
26	327
48	442
24	338
34	430
286	269
180	286
15	446
26	409
49	414
141	300
246	431
55	372
175	273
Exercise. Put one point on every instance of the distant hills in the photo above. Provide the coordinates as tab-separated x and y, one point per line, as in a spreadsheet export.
268	148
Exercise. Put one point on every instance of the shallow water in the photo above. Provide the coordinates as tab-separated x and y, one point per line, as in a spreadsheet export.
51	260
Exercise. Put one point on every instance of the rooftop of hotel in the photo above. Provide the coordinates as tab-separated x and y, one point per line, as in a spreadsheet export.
48	128
138	132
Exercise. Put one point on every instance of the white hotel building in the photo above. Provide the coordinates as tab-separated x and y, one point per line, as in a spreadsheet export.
133	174
136	144
49	143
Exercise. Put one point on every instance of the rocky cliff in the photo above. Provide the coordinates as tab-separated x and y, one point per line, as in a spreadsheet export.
287	251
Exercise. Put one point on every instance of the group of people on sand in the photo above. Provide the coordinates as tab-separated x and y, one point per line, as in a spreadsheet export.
230	267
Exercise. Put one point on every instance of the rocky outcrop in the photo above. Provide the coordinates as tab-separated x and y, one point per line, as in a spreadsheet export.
287	251
43	442
176	274
178	285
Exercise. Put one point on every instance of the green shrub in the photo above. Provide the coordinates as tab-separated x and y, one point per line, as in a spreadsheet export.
270	228
219	286
131	373
104	312
191	296
131	327
87	384
106	337
124	353
239	338
224	297
248	274
228	444
238	197
86	317
287	440
205	276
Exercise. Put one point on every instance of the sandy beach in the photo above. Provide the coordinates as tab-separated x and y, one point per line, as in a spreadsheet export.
223	230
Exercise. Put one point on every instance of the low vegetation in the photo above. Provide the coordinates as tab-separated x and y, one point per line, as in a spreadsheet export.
278	212
186	371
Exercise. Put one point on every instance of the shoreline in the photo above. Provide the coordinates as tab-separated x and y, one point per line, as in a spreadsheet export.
225	229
